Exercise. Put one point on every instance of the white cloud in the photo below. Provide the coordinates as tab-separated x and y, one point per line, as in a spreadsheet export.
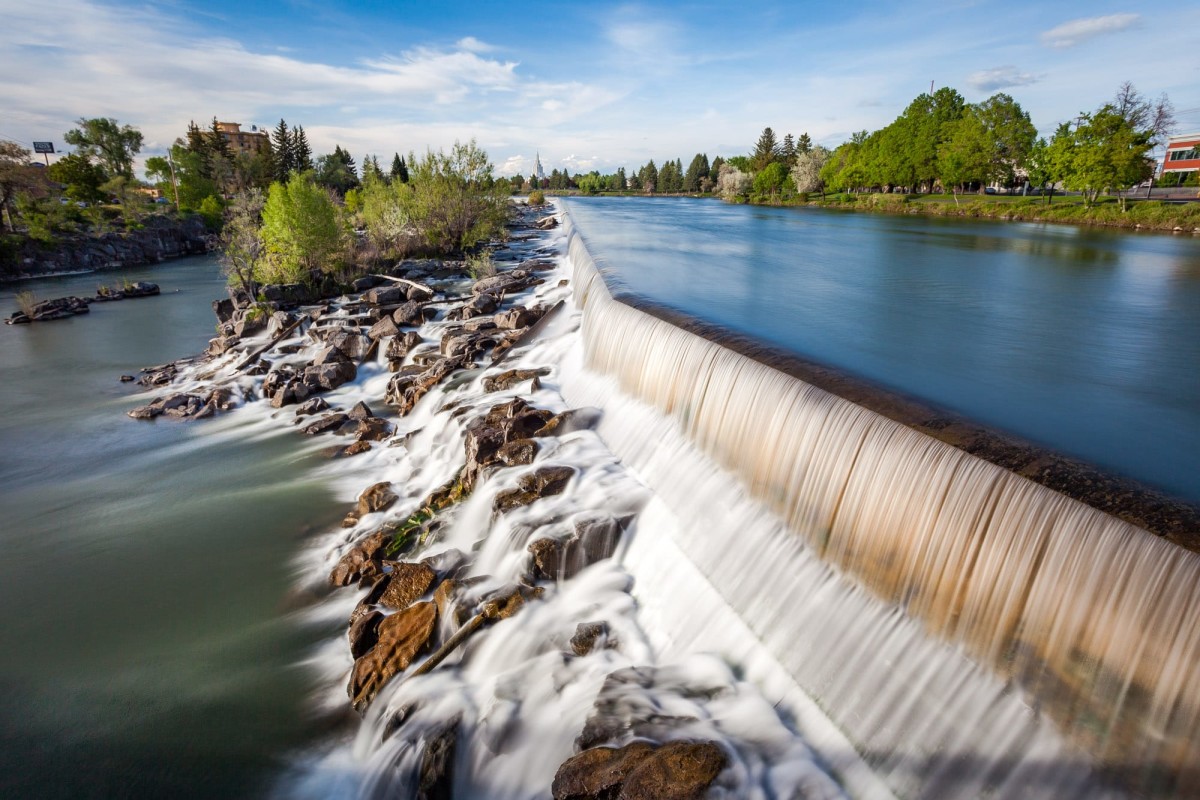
1072	33
989	80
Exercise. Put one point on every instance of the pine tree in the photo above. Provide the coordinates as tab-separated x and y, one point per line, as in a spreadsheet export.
696	170
195	139
649	177
789	151
399	168
804	145
766	150
217	143
301	152
284	160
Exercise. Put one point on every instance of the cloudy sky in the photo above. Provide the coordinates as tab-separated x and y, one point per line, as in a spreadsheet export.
588	84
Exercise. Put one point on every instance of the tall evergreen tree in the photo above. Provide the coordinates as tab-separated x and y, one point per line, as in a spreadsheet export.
804	143
301	152
765	151
648	177
218	145
789	151
399	168
282	145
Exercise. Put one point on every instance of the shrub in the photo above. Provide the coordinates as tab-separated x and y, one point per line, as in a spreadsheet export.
212	210
537	198
26	301
480	265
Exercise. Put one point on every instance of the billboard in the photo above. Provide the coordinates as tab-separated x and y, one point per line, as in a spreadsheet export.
43	147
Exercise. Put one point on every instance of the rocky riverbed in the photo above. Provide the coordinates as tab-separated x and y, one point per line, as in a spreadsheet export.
489	640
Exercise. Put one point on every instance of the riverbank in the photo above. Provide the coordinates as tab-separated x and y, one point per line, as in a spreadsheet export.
160	238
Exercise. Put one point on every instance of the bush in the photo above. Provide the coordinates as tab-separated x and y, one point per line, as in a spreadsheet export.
480	265
301	232
537	198
26	301
212	211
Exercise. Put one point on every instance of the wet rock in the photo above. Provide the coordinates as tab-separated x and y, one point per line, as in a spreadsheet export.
574	419
444	599
510	378
327	377
599	773
325	424
158	376
587	636
435	775
466	346
314	405
353	344
372	429
349	568
406	388
353	449
401	638
406	583
377	497
388	295
360	411
366	282
593	541
411	314
276	379
477	306
518	452
223	309
541	483
330	355
401	345
364	633
519	317
127	379
675	771
278	322
383	328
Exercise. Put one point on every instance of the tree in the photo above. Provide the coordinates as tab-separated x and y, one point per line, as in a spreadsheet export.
806	174
1107	153
452	200
17	176
804	144
282	148
300	230
732	182
242	245
696	172
771	179
81	178
788	151
766	150
1009	133
399	168
301	152
218	145
1157	117
106	143
337	171
965	153
648	177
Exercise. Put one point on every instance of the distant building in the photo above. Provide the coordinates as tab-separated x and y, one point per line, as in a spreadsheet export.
537	167
1183	153
251	141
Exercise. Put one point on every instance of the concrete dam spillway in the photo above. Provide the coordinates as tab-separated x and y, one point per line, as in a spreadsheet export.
970	631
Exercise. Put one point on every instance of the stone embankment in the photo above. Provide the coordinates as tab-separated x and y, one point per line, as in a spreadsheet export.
415	613
160	239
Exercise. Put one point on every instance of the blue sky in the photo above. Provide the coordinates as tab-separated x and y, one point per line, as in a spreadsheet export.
589	85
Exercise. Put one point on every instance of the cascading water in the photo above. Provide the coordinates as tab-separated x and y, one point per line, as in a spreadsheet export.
986	594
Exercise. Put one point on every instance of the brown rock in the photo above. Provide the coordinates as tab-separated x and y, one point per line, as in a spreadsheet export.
406	584
330	376
360	411
587	636
410	314
385	327
364	633
350	566
544	482
373	429
376	497
326	423
435	776
510	378
353	449
675	771
314	405
517	452
402	344
599	773
401	638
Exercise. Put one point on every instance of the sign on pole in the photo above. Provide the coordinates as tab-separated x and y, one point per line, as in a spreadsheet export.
43	147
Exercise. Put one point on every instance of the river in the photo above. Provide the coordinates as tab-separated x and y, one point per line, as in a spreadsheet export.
1084	340
147	649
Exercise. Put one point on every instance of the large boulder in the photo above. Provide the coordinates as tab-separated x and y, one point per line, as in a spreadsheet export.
352	566
401	638
412	313
406	583
326	377
377	497
599	773
388	295
540	483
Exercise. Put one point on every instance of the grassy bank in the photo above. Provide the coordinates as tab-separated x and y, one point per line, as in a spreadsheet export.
1143	214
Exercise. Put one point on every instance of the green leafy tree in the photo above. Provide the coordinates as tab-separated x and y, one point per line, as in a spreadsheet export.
616	181
1108	153
301	231
105	142
1010	136
452	200
965	153
81	178
771	179
337	171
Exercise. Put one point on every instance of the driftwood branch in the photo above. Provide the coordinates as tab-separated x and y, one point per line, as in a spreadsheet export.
404	281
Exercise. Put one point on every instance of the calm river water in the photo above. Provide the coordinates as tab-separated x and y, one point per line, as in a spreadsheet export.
146	648
1085	340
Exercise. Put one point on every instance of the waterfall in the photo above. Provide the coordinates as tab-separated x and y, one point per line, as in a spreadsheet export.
970	631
